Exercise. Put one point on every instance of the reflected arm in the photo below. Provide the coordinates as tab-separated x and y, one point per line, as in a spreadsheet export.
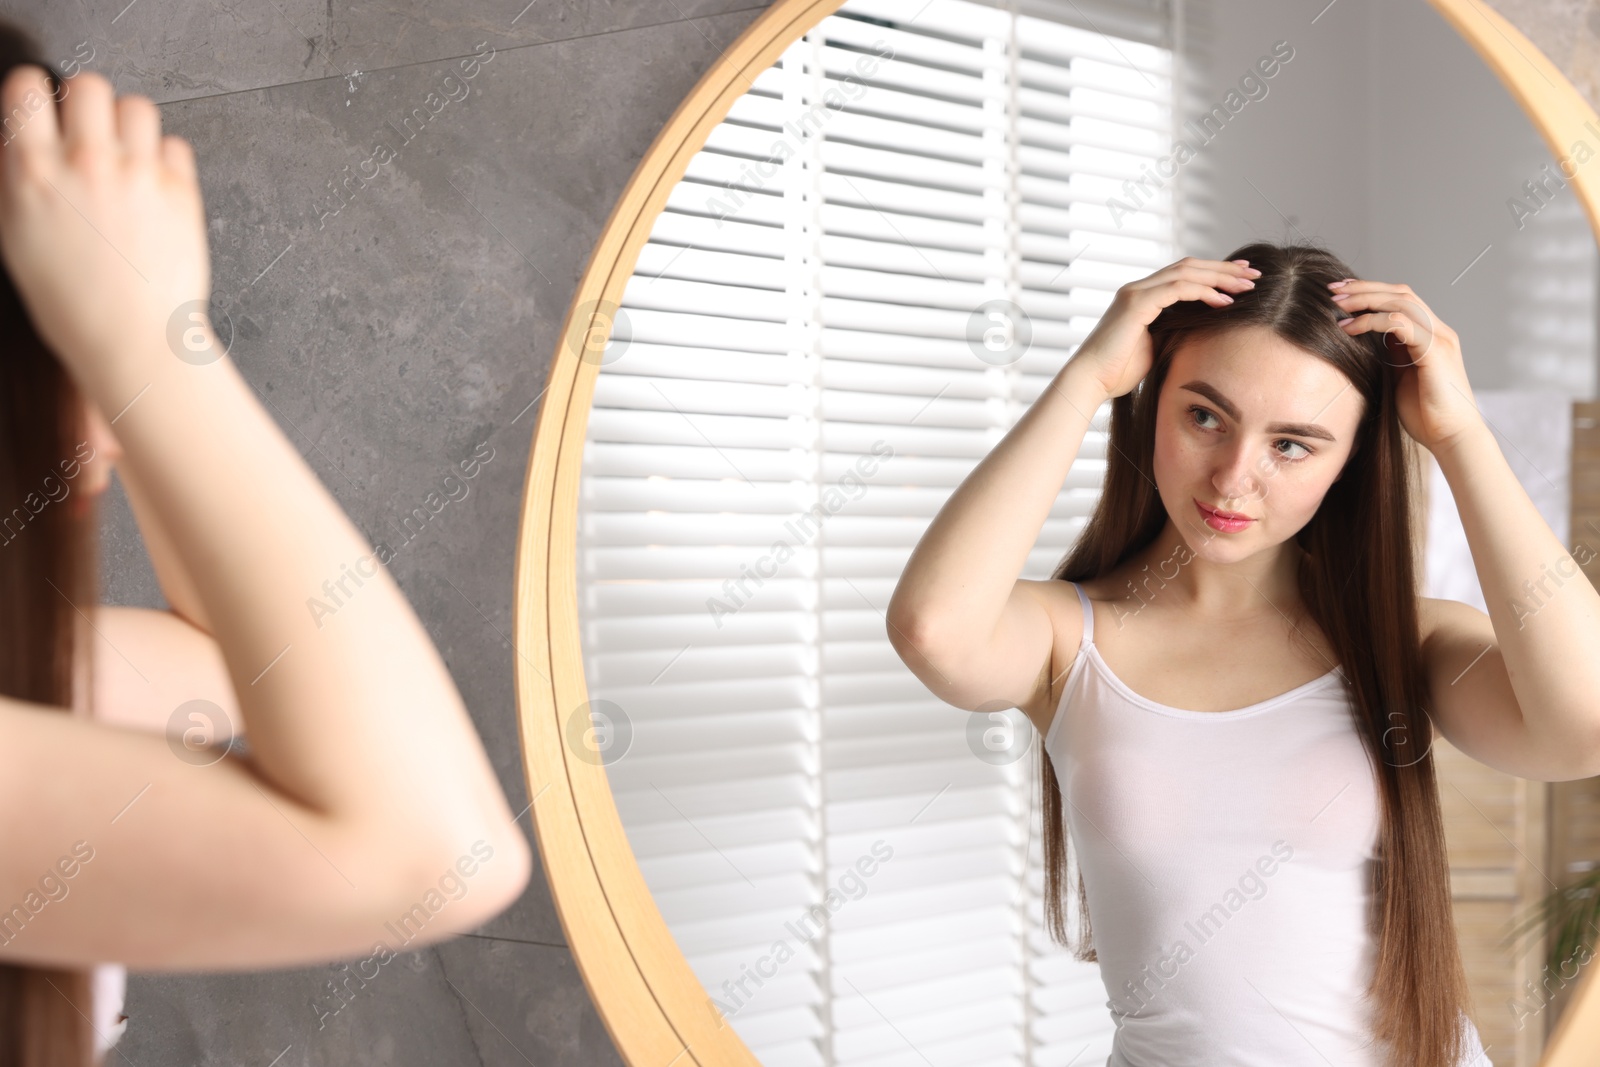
1515	689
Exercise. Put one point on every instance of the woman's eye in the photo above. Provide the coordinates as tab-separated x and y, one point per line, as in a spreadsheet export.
1197	413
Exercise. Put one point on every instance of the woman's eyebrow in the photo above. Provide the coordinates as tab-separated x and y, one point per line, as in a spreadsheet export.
1298	429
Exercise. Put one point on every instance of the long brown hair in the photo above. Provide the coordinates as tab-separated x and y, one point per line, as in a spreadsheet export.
48	568
1358	581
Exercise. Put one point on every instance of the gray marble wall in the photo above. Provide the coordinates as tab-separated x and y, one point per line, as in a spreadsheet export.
394	325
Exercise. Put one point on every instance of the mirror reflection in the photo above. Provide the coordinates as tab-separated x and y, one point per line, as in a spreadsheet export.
862	784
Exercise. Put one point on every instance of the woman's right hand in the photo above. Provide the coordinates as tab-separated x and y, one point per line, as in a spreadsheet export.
1119	350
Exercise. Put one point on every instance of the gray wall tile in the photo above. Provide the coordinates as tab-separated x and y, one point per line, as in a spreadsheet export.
178	52
393	330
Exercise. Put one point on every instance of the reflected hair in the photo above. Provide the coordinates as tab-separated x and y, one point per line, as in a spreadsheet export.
1357	581
48	565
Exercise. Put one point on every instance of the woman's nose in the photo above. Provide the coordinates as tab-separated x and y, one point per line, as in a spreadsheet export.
1238	478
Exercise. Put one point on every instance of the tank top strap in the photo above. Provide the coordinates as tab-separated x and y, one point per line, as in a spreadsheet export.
1088	617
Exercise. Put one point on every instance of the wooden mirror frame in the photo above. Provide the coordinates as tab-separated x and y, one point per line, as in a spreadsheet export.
654	1007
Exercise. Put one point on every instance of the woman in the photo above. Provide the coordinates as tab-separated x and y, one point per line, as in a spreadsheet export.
136	834
1236	681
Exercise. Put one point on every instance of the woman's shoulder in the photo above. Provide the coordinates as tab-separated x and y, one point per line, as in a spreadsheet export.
1062	599
1100	589
1069	620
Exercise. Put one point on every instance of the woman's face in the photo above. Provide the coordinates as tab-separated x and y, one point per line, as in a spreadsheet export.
1252	425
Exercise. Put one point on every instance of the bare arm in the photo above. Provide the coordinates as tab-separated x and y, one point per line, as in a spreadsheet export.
183	599
1515	688
367	782
963	571
1518	689
148	663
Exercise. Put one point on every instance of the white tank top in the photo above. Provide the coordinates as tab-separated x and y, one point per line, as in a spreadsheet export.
1228	861
109	982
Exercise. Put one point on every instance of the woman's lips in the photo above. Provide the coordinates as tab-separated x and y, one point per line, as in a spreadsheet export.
1225	521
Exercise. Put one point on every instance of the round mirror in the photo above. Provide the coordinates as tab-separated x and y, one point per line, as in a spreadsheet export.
857	254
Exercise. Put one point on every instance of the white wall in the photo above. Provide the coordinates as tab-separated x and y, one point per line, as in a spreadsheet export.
1387	138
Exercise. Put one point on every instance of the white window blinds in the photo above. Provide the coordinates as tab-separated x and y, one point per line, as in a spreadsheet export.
880	258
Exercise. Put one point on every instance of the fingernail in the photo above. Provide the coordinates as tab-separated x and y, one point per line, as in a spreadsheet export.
1241	262
1341	322
1228	298
1335	285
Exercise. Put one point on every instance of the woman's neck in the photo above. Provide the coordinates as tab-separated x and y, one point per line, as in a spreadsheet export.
1266	582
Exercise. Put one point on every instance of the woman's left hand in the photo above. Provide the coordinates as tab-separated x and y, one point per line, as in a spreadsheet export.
1433	395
